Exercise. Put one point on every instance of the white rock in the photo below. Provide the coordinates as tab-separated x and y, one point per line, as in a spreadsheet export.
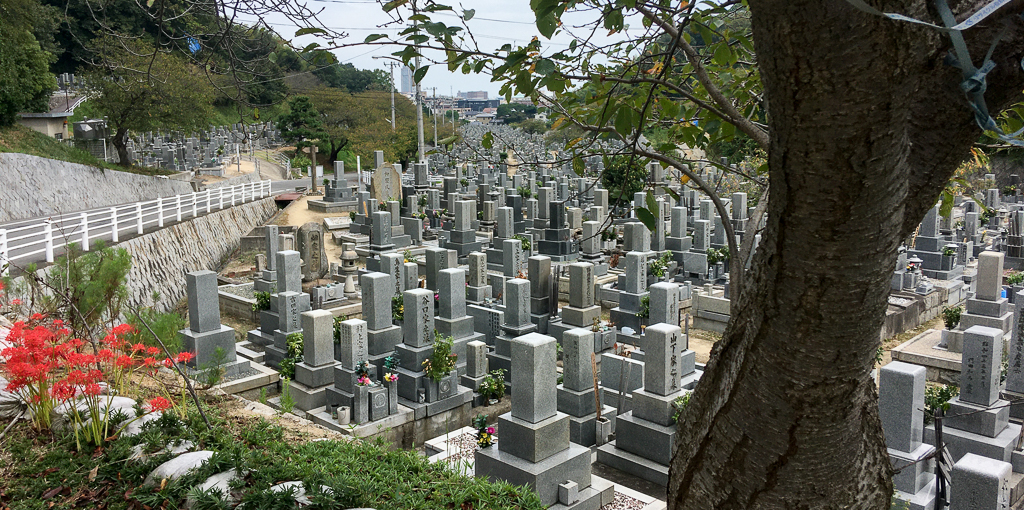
178	467
221	482
138	451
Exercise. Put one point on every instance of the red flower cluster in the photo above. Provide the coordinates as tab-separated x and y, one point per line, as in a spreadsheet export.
158	404
48	366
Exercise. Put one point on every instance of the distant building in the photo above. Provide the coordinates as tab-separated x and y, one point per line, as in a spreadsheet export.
407	84
478	105
50	124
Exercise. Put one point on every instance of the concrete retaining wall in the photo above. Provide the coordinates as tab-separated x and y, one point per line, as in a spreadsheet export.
160	259
31	186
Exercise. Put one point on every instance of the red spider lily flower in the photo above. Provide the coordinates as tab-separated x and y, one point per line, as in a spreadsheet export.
15	302
149	362
106	354
58	323
122	329
185	357
153	351
138	347
168	362
124	361
62	391
35	316
158	404
92	389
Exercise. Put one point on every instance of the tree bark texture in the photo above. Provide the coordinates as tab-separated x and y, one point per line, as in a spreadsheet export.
120	141
867	125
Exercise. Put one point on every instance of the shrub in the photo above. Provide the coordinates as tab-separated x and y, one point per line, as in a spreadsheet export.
951	316
443	360
262	301
397	308
937	397
493	385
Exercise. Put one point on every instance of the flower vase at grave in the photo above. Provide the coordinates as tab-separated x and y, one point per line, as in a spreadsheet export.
604	429
344	415
361	405
392	387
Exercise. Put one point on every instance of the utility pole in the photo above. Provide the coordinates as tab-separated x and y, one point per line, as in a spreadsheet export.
392	65
419	104
433	110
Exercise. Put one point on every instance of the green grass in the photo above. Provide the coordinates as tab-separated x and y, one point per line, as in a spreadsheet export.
21	139
43	472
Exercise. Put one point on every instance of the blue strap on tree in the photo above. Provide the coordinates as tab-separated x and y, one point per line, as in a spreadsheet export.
974	81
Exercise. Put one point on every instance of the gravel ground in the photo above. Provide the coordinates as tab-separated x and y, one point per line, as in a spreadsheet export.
624	502
245	291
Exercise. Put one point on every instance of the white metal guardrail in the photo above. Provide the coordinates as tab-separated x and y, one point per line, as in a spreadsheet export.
39	239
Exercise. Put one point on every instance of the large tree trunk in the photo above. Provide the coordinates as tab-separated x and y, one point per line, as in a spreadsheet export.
120	141
867	125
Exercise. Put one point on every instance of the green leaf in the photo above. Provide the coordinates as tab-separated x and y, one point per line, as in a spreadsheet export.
652	204
613	20
947	203
624	121
671	193
373	37
309	30
547	25
310	47
647	218
394	4
544	67
419	17
572	45
272	57
468	14
723	55
419	74
578	165
524	82
450	139
487	141
670	107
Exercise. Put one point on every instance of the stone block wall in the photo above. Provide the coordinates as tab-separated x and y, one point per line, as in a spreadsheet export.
31	186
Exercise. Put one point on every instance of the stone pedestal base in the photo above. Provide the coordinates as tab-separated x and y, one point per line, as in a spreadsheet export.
572	463
961	443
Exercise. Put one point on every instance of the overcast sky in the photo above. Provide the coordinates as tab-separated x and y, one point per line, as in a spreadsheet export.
495	23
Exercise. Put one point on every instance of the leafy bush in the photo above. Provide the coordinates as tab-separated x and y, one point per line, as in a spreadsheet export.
658	267
493	385
936	397
397	308
524	241
443	360
1015	278
262	301
951	316
645	307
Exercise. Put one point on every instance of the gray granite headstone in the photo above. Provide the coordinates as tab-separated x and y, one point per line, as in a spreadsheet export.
581	285
477	269
980	483
289	271
539	272
701	235
577	347
636	272
418	325
271	246
661	359
990	276
451	289
353	345
982	357
664	303
465	213
380	229
317	337
377	291
517	302
534	377
678	222
203	304
1015	361
901	404
590	243
476	359
394	265
512	257
289	312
